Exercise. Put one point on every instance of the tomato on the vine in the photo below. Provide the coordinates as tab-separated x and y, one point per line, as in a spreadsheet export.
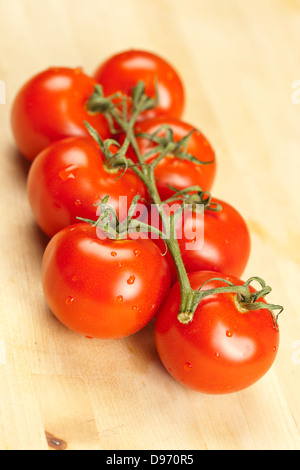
225	348
70	176
174	170
103	288
51	106
122	71
210	240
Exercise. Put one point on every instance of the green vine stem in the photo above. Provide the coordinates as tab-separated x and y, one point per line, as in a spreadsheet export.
166	144
109	223
195	196
245	299
115	108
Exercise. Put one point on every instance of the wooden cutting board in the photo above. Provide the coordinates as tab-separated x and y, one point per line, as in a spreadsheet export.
239	60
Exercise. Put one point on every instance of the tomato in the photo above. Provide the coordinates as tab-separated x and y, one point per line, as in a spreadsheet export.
69	177
121	72
210	241
224	348
51	106
103	288
173	170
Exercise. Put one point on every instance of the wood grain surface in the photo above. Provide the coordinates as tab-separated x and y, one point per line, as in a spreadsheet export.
239	60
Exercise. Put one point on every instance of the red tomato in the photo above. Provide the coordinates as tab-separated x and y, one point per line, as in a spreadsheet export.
51	106
122	71
210	241
103	288
69	177
174	171
224	348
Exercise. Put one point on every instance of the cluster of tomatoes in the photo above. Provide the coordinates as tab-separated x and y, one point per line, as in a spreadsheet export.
111	288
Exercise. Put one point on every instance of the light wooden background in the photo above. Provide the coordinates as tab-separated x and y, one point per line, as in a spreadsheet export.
238	60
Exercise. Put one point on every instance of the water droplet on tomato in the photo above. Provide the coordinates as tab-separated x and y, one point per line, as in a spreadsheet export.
217	354
274	349
68	172
69	300
187	366
131	279
120	298
113	253
228	333
134	307
78	202
119	264
136	252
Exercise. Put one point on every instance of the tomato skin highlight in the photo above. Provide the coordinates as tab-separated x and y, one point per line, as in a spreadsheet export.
51	106
222	350
121	72
174	171
103	288
69	177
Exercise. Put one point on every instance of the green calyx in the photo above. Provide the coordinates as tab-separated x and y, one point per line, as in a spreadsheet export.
196	197
245	299
165	145
113	160
115	107
109	223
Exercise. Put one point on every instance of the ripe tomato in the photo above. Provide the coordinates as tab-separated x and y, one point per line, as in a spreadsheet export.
172	170
224	348
103	288
69	177
122	71
211	241
51	106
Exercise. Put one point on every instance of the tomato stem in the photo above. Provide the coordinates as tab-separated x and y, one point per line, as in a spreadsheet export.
245	299
167	145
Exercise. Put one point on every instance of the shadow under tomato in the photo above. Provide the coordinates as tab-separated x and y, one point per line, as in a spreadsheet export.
142	349
22	165
38	238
